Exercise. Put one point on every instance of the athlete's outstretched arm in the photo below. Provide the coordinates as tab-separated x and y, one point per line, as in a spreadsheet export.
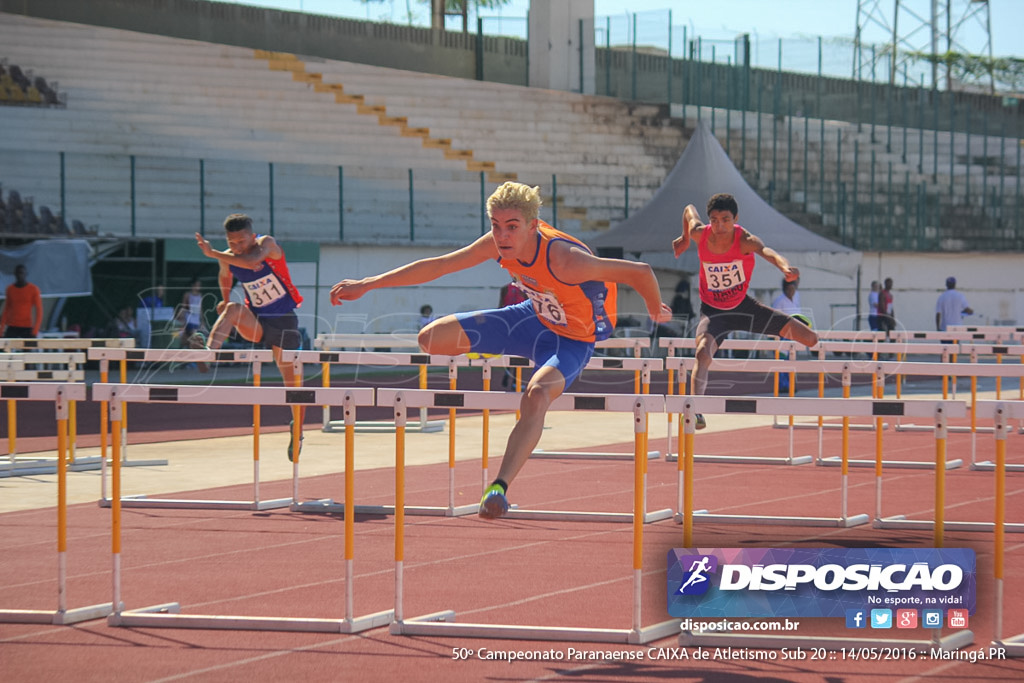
754	245
691	223
266	247
418	272
574	265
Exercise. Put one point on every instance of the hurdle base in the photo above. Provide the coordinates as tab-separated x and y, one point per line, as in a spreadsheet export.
836	461
767	520
1013	646
443	624
589	455
989	466
56	617
829	425
142	501
240	623
955	429
329	507
747	459
901	522
385	427
573	516
117	618
37	466
953	641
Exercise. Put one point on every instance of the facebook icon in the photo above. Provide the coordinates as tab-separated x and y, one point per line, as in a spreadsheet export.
856	618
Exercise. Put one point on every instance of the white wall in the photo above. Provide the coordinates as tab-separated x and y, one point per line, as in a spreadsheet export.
992	283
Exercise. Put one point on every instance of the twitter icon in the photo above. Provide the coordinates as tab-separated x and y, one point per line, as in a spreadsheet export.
881	618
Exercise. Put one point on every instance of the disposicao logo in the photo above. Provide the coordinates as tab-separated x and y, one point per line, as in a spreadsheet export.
823	582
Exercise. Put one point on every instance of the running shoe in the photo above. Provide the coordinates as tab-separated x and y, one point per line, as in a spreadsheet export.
699	422
198	341
291	436
493	504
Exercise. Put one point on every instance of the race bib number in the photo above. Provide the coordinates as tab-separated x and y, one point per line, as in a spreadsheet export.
722	276
264	291
546	306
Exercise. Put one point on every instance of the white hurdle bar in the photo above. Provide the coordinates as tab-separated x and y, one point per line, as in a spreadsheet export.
360	359
442	623
61	395
123	356
641	367
492	400
67	344
453	363
1014	645
689	406
1000	412
167	615
367	343
13	369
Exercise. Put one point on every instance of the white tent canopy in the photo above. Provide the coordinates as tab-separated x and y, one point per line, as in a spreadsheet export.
705	169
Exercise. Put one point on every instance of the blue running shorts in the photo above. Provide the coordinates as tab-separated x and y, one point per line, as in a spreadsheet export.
516	331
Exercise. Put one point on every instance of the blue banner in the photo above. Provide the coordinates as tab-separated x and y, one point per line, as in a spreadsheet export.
818	582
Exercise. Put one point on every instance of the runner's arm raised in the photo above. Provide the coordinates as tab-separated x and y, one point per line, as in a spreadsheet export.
418	272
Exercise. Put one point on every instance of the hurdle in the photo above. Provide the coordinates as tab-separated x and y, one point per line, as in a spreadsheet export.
413	398
168	615
998	352
453	363
1000	412
973	370
14	367
339	342
689	406
61	395
1013	645
442	623
641	368
255	356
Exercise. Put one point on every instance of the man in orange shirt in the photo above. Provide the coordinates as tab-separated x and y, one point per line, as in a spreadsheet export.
23	307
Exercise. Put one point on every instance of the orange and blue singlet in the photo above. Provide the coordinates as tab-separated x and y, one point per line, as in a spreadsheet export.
558	324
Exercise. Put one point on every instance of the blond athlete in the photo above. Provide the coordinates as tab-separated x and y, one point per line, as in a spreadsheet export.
570	305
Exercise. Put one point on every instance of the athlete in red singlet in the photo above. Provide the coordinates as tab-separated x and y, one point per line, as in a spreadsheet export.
726	263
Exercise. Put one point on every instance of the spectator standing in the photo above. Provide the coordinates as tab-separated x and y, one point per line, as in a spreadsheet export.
426	316
789	300
873	306
951	306
886	310
23	307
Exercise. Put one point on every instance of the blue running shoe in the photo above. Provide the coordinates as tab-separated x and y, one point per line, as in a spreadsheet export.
493	504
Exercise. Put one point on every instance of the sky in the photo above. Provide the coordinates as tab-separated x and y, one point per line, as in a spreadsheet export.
727	18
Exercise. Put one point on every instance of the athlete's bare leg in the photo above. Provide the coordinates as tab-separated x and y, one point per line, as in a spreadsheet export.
545	386
797	331
444	336
705	352
234	316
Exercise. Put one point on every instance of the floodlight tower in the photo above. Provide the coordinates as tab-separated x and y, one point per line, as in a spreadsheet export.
930	26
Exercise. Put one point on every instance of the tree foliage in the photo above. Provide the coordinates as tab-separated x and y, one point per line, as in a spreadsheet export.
1006	72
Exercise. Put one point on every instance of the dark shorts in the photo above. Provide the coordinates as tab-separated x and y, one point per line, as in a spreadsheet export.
749	316
886	323
873	323
13	332
281	331
517	331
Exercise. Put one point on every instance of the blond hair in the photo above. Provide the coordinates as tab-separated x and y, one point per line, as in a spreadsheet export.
518	196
